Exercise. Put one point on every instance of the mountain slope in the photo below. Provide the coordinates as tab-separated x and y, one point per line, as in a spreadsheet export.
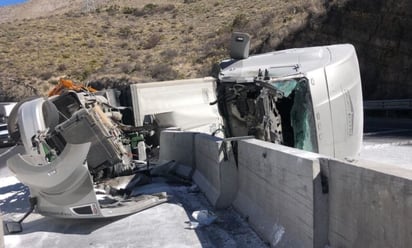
134	39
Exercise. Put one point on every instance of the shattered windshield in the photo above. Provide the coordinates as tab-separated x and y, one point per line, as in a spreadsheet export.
275	110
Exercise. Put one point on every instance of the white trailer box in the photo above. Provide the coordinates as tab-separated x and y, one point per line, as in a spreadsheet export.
184	104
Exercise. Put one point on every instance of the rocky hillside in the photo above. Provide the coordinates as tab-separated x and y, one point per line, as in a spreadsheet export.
144	41
128	41
46	8
381	31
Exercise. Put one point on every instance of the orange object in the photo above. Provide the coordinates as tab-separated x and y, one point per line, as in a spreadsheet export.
66	84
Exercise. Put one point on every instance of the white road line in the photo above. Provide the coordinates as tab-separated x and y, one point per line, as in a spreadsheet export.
4	153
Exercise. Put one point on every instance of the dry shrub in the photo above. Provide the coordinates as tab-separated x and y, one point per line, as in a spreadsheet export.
152	41
218	46
134	55
125	32
240	21
61	67
163	72
126	67
113	9
169	54
189	1
124	45
129	68
91	43
45	75
158	9
148	9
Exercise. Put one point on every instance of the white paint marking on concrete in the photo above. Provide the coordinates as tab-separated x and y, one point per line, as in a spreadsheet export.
9	150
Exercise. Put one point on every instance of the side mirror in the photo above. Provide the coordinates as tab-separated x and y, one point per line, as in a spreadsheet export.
13	227
240	45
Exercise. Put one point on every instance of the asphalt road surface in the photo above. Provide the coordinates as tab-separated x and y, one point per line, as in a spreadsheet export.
388	141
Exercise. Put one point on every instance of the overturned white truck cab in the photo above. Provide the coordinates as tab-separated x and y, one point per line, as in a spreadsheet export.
308	98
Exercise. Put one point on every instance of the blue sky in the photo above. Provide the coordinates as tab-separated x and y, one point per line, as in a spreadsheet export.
10	2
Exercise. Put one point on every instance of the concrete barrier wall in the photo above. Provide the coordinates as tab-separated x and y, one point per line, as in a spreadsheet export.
277	188
178	146
294	198
216	172
370	205
212	158
298	199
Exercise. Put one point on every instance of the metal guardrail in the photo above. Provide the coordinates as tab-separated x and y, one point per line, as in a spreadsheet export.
398	104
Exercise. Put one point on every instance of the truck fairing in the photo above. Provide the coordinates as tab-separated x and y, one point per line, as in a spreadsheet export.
73	144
